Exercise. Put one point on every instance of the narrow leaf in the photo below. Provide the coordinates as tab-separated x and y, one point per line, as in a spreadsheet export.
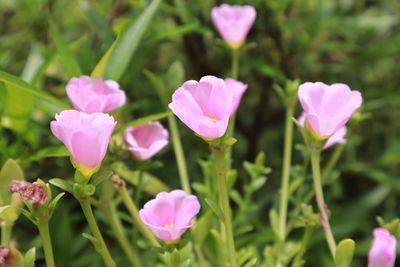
154	117
61	183
29	257
30	89
67	58
127	43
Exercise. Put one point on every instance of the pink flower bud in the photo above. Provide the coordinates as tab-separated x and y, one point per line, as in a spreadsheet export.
337	138
238	88
169	214
328	107
233	22
5	256
36	192
383	249
95	95
86	136
146	140
204	106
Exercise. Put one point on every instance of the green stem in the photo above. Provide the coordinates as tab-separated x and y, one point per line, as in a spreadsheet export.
101	246
298	261
6	229
180	157
118	230
43	227
132	209
219	153
315	164
140	187
332	161
287	156
235	64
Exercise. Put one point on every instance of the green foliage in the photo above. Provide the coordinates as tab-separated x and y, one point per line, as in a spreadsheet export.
151	48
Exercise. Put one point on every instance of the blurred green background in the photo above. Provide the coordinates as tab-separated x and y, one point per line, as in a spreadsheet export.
356	42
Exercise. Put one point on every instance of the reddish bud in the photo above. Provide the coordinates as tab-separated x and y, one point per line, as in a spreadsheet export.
36	192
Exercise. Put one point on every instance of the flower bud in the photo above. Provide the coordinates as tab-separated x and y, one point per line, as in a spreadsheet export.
35	193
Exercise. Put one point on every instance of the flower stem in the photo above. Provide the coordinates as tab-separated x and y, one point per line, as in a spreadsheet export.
235	64
315	164
298	260
118	230
180	157
101	248
130	205
287	156
43	227
332	161
6	229
219	153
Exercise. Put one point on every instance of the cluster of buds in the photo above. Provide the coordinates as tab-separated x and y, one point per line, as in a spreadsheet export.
35	193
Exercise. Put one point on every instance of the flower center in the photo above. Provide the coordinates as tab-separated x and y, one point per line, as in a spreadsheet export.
213	119
169	225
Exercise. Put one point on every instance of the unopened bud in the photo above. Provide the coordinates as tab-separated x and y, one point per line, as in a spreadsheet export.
36	192
5	256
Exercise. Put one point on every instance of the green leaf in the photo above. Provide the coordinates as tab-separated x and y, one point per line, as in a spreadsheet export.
122	50
29	258
61	183
10	79
98	178
215	208
68	59
202	228
27	214
8	213
158	85
49	152
153	185
344	253
144	120
10	171
18	109
94	241
99	23
17	259
54	202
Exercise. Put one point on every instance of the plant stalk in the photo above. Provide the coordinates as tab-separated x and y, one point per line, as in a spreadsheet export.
102	248
118	230
132	209
219	153
315	164
179	155
287	157
44	232
6	229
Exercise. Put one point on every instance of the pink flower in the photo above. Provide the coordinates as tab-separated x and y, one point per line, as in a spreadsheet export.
169	214
233	22
146	140
204	106
36	192
328	107
86	136
337	138
238	88
383	249
95	95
